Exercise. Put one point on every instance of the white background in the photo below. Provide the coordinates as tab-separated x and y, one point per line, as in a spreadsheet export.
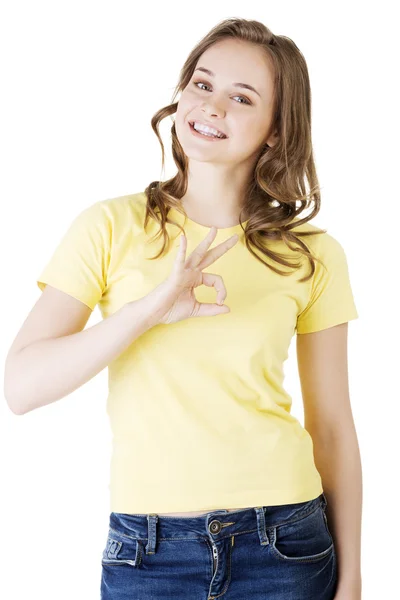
80	83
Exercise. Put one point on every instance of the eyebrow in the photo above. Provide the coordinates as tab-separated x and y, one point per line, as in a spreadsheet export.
242	85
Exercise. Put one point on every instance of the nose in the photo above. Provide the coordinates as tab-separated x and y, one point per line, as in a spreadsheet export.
212	110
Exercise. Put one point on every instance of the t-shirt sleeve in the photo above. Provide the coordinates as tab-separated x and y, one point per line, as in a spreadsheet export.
331	299
79	263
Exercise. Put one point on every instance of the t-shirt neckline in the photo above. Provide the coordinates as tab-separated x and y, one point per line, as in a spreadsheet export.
204	228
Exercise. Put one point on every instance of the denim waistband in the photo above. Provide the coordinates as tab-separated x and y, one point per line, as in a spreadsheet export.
213	525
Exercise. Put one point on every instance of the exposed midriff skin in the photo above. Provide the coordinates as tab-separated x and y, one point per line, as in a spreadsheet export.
191	514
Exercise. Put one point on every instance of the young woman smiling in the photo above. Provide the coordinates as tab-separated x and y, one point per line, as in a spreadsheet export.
200	418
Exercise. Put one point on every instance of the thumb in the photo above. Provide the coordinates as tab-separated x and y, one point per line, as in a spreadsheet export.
212	310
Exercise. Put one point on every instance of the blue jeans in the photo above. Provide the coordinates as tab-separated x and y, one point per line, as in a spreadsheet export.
283	552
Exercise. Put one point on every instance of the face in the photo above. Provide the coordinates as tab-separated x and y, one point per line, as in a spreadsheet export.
242	114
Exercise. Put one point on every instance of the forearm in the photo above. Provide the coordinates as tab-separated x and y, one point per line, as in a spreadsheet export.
337	458
50	369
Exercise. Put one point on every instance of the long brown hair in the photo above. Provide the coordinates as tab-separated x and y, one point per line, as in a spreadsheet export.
276	195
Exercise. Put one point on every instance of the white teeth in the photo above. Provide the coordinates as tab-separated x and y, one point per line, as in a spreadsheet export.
207	134
207	130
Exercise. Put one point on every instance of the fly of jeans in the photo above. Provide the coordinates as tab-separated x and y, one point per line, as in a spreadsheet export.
215	555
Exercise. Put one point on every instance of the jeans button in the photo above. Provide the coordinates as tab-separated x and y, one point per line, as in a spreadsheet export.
215	526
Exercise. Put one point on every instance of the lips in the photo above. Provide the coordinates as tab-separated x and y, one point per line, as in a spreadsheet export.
208	125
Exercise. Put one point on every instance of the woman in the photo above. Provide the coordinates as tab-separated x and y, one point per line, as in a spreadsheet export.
200	418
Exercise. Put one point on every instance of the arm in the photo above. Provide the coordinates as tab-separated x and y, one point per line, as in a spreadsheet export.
45	370
323	371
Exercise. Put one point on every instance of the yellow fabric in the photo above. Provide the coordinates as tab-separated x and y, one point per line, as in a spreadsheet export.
199	415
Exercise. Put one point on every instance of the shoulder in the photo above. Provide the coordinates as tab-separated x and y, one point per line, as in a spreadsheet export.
127	210
322	244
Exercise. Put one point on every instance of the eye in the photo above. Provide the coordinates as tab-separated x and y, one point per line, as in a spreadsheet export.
246	101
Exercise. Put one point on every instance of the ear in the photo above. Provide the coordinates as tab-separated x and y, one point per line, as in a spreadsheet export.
272	140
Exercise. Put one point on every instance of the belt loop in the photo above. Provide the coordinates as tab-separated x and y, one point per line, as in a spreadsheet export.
262	531
151	533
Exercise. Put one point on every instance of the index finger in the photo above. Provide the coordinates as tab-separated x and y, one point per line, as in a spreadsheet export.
212	255
196	257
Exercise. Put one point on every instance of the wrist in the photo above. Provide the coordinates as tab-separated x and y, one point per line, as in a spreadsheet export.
351	587
140	314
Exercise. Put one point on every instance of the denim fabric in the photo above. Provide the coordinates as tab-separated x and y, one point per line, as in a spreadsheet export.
283	552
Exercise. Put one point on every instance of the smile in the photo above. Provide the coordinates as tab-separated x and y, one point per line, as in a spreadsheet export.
205	136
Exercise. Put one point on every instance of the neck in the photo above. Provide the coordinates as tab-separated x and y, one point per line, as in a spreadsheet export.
214	197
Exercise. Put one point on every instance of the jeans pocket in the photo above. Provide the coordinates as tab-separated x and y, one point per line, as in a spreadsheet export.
121	550
306	539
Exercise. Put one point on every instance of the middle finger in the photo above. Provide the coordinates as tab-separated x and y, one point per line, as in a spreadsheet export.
212	255
195	258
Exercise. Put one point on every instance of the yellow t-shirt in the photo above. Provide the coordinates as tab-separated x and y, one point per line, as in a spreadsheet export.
199	415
